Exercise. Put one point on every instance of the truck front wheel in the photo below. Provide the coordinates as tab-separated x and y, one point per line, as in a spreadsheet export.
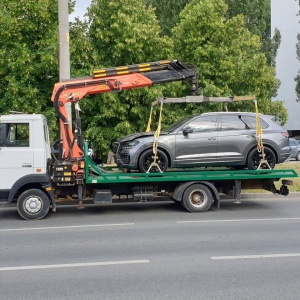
197	198
33	204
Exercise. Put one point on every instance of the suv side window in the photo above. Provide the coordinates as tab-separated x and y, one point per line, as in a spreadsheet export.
203	124
233	122
252	121
14	134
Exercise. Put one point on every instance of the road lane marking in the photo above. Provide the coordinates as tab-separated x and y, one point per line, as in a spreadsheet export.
64	227
76	265
238	220
255	256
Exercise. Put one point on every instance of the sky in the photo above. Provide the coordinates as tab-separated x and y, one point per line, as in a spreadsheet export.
80	8
284	17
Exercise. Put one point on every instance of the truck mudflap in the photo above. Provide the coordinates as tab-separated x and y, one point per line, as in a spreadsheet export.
180	189
49	190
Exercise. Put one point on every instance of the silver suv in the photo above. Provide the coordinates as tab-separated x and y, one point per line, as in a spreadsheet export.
210	139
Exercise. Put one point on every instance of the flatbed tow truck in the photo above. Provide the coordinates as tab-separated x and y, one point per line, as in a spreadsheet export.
36	179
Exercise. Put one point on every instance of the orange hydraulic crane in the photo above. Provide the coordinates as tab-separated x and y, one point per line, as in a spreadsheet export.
110	80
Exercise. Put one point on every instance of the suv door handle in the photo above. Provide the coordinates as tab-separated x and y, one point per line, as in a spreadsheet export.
213	138
26	165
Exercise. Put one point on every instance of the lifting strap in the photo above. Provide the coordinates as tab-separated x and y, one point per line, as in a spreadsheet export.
154	164
148	129
226	107
258	135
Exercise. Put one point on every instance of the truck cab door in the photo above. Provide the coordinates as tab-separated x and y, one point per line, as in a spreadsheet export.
16	152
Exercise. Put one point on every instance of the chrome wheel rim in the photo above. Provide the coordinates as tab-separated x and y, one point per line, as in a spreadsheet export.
33	205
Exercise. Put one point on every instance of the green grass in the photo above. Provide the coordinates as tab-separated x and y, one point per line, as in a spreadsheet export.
295	165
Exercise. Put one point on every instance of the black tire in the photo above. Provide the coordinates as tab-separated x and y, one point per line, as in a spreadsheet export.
197	198
298	156
33	204
254	159
146	159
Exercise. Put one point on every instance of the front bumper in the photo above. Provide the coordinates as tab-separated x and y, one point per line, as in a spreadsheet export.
124	158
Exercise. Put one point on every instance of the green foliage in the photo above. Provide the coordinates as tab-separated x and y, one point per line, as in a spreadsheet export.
121	33
28	56
125	32
80	49
167	12
258	21
257	15
227	55
116	33
297	78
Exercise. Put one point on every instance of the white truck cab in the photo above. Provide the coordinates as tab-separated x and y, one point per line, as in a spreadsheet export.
24	154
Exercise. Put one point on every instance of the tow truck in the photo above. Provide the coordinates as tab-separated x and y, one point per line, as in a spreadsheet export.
36	178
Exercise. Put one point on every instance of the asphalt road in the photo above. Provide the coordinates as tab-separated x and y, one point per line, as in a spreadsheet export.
154	251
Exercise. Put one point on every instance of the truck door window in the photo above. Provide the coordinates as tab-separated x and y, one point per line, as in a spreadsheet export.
14	135
3	134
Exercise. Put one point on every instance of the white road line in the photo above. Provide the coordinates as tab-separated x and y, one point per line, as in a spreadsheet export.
92	264
64	227
238	220
256	256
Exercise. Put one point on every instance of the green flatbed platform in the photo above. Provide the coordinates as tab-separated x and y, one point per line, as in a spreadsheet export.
96	174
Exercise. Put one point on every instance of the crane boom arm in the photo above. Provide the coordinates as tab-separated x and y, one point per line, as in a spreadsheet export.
112	80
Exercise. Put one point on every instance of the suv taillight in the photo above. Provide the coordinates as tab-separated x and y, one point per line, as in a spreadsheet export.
285	134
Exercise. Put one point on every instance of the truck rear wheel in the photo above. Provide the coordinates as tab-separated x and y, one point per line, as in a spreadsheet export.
197	198
33	204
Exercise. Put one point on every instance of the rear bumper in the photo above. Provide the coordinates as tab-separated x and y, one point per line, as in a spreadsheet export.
285	154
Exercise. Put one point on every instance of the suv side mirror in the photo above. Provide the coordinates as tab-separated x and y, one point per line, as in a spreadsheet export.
187	130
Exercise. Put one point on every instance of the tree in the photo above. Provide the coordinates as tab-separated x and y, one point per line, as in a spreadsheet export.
28	56
167	13
257	15
227	55
121	33
80	49
297	78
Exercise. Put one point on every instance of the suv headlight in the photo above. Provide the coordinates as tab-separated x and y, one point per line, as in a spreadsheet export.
129	145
